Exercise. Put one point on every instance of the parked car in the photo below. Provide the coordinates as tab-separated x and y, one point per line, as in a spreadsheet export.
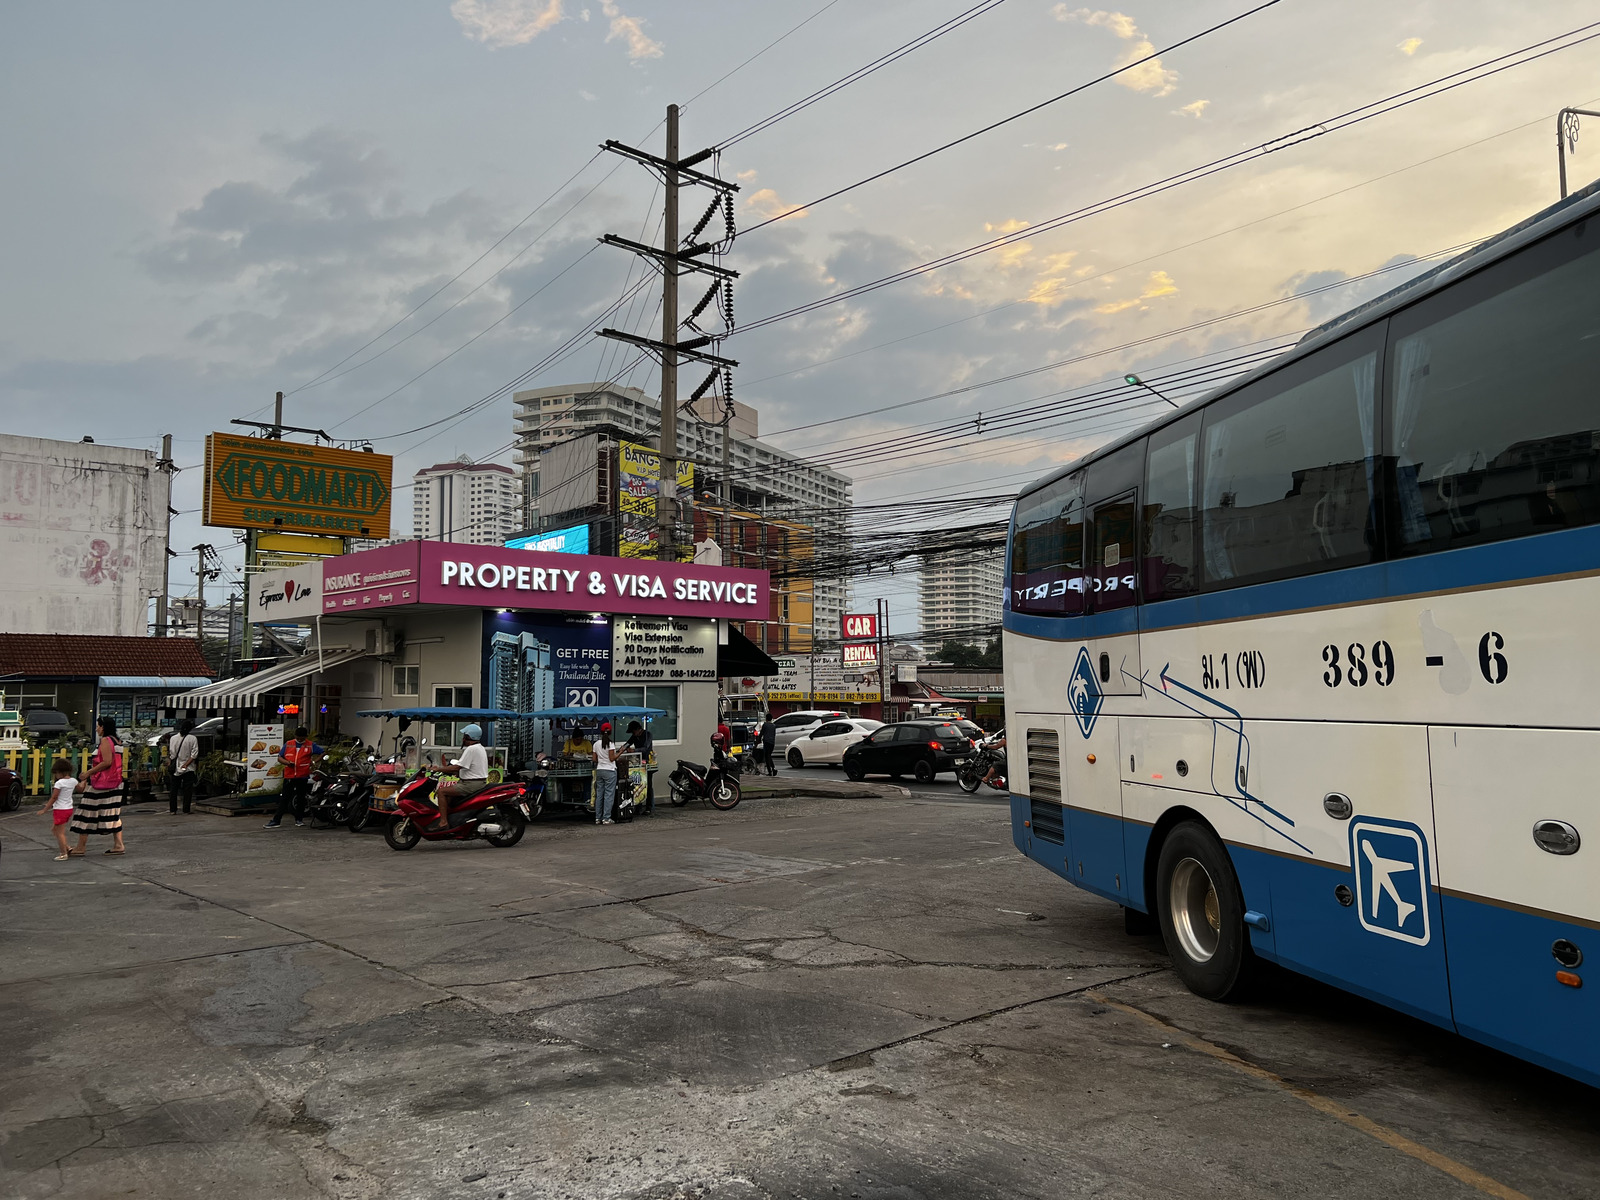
41	724
828	741
206	731
11	790
792	725
918	748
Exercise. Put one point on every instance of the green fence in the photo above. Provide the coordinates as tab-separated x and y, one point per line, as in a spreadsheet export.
33	765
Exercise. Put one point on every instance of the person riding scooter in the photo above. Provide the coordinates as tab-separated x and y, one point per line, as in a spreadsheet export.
471	771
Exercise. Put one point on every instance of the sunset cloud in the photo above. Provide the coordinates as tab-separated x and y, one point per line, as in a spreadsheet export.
1195	110
631	31
766	203
1146	77
499	23
1409	46
1159	284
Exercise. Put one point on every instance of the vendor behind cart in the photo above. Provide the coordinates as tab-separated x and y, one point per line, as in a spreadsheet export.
577	746
471	771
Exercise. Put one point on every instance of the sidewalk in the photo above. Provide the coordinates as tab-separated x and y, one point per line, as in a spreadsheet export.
792	783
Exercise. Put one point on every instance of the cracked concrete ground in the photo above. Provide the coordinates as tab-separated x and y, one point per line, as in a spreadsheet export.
801	998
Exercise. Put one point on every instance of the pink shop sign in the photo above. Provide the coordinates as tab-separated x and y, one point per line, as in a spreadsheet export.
371	579
492	577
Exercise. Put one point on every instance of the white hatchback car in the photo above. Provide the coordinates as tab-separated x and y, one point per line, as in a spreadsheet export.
797	724
826	743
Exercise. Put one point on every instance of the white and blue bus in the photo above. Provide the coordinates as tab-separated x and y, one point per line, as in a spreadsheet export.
1308	671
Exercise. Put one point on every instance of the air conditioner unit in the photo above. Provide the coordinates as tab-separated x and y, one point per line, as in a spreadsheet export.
383	642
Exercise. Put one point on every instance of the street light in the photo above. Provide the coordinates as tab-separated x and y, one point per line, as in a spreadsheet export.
1135	381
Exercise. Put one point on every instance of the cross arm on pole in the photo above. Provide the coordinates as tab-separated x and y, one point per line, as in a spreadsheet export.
682	349
683	258
661	164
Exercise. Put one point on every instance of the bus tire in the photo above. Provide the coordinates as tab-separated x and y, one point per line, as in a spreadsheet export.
1201	909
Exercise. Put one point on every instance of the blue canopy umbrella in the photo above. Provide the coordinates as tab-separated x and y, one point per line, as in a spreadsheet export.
448	714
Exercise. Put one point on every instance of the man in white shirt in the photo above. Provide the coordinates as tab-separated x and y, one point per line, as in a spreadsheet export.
471	771
185	756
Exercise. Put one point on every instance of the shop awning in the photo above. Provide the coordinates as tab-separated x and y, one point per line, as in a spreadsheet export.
446	714
741	656
153	683
244	693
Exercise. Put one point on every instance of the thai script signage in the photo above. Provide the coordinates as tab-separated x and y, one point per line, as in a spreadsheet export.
261	483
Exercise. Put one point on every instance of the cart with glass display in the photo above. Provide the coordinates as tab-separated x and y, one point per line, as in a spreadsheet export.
410	755
570	766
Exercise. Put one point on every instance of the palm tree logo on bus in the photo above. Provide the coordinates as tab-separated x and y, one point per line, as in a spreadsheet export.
1083	693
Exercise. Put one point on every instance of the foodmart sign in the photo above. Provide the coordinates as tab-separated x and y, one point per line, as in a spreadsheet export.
264	483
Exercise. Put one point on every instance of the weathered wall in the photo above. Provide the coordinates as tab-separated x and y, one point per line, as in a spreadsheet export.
83	536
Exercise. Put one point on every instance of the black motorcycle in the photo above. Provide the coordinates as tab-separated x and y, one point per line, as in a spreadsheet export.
970	774
693	781
343	799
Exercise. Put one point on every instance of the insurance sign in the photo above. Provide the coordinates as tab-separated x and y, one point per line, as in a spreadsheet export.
262	483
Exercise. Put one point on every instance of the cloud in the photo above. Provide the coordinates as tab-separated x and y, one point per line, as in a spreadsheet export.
506	22
746	176
1159	284
1010	226
1409	46
766	203
1195	110
1146	77
630	30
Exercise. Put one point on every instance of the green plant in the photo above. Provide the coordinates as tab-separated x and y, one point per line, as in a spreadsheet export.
215	775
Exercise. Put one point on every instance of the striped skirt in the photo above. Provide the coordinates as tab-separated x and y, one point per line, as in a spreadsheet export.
97	811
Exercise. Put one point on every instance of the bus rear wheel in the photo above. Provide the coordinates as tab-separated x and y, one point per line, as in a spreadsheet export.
1201	909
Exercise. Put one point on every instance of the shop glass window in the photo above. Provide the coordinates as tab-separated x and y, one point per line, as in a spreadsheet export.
663	729
405	681
1047	550
1491	402
448	733
1287	471
1170	511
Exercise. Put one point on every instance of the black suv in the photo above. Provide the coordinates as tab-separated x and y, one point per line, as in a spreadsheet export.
918	748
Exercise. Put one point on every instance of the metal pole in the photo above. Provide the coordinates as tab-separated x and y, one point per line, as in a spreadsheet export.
883	661
277	417
667	490
1567	129
165	465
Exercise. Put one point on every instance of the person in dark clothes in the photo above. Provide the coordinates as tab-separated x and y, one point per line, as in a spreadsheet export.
769	743
643	743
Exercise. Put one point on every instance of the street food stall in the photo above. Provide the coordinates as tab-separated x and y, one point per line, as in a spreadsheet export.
572	773
409	755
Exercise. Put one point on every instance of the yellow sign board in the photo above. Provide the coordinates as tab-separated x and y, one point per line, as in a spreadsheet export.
299	543
290	487
639	478
825	697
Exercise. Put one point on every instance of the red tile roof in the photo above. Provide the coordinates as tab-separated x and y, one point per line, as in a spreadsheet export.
41	654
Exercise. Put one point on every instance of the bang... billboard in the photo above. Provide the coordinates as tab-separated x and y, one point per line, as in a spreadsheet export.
639	486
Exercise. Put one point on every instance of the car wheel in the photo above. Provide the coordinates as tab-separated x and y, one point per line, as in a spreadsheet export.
14	796
854	772
1201	909
924	770
796	759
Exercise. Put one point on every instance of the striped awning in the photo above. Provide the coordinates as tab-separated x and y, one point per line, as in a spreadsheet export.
247	692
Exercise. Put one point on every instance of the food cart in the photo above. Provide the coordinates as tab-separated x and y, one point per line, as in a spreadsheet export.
572	775
409	755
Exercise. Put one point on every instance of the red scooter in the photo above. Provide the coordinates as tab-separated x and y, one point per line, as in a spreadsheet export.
495	814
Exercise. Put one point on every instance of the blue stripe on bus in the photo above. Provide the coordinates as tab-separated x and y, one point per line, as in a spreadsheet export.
1564	552
1497	985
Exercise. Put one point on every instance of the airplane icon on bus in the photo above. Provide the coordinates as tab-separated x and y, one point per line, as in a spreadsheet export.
1390	862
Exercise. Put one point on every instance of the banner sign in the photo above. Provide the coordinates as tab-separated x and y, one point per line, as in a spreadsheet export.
289	594
662	649
263	483
860	654
639	484
263	773
859	627
572	540
371	579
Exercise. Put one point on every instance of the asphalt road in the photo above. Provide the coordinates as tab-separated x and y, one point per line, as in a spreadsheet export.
801	998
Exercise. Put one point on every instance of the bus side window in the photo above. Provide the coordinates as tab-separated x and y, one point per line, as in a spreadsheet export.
1170	512
1287	469
1047	550
1493	425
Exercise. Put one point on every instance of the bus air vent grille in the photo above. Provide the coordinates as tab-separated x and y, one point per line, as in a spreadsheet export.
1048	825
1044	765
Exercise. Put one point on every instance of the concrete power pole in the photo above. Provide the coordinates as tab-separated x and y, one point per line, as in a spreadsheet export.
675	258
167	467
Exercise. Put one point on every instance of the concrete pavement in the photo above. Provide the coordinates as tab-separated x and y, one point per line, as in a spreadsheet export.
863	997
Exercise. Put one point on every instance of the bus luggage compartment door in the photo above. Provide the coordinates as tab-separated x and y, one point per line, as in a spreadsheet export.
1347	811
1521	902
1094	808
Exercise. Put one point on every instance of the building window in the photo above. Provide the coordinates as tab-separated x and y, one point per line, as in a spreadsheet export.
405	681
448	733
664	729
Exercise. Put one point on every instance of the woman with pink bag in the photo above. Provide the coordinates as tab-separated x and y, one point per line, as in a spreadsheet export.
99	808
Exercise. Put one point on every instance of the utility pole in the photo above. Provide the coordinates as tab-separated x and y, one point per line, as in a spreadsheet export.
167	467
884	690
676	257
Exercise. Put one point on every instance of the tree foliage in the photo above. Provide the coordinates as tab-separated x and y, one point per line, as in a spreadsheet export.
971	657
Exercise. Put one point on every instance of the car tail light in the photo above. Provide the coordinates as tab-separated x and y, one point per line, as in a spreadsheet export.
937	745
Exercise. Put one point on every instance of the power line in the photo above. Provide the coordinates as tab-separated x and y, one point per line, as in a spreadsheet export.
724	78
860	73
1013	117
1355	116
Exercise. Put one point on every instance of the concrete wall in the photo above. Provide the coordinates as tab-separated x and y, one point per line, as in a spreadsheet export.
457	660
83	535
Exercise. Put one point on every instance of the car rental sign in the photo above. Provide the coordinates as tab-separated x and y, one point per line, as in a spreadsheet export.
499	577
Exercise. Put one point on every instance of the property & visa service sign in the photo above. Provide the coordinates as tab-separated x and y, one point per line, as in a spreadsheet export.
262	483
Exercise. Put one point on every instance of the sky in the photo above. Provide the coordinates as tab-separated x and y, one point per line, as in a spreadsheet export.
208	203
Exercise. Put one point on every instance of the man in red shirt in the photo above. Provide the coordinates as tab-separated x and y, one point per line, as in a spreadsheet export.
296	757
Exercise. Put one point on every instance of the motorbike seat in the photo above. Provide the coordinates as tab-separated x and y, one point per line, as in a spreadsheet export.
692	766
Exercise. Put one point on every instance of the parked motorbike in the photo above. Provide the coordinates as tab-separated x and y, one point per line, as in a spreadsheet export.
497	814
970	774
343	799
693	781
